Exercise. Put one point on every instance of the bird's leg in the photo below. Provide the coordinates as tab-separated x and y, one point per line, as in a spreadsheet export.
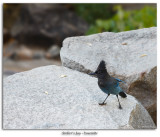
119	103
104	101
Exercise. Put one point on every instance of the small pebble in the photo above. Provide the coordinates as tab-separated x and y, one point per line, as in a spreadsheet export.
62	76
143	55
124	43
89	44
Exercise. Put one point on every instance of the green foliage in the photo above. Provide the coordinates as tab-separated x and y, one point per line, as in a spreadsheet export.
126	20
92	12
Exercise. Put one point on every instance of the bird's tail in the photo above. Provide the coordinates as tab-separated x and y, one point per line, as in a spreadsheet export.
122	94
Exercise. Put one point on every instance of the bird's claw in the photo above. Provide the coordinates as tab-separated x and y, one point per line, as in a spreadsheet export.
120	107
101	104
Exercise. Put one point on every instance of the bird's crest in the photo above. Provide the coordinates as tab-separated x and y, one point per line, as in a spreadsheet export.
102	71
102	66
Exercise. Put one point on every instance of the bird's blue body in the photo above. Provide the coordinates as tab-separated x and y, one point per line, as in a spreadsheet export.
108	84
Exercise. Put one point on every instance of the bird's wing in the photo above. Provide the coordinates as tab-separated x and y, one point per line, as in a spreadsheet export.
112	82
120	80
115	83
110	86
109	83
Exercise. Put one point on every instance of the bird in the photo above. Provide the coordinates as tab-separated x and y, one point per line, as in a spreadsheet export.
108	84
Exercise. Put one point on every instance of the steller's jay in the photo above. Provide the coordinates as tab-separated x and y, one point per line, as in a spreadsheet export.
108	84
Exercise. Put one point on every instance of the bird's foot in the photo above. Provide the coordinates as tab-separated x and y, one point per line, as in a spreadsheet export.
101	104
120	107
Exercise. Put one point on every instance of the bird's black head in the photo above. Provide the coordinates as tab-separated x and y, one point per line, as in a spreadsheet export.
101	71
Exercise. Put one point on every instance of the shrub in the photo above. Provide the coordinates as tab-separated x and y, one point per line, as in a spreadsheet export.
91	12
126	20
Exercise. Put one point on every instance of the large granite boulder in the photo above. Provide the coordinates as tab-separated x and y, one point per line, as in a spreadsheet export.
47	24
53	97
130	56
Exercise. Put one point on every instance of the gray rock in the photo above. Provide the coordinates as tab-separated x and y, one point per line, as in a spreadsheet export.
53	97
24	53
53	52
130	56
38	54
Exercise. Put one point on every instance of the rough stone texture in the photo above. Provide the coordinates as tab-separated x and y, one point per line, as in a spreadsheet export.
131	56
46	24
55	97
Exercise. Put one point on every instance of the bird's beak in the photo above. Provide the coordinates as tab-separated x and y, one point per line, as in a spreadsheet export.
92	73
